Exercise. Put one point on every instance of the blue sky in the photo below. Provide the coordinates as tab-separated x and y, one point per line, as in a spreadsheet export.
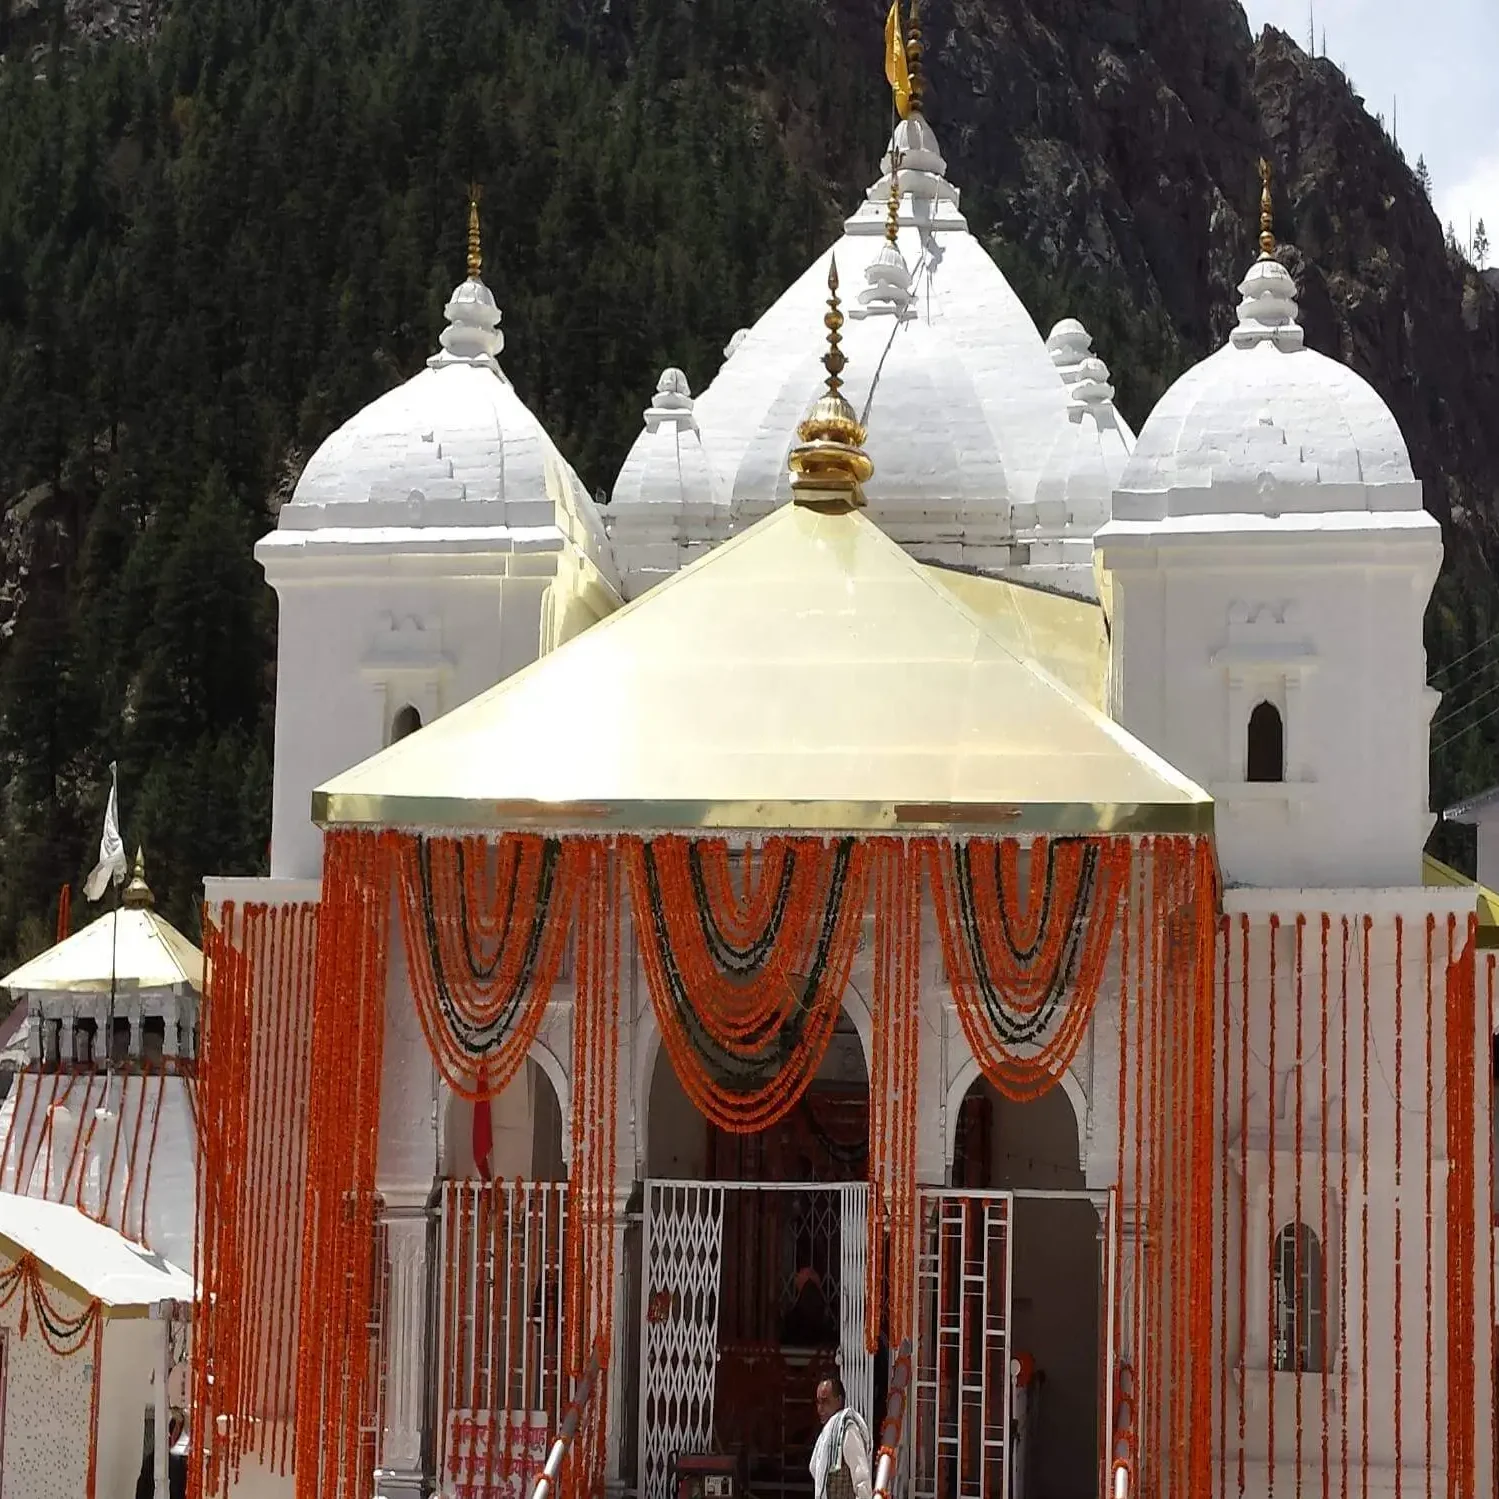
1441	68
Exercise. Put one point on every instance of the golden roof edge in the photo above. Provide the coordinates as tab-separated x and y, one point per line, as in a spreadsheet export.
453	815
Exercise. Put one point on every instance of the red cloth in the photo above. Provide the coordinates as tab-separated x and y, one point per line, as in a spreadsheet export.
483	1138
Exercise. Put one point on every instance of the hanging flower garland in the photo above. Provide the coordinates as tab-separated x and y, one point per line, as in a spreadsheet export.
1025	967
253	1071
894	1094
485	928
343	1128
747	991
589	1245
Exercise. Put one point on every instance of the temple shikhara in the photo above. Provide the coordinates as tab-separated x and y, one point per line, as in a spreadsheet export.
925	885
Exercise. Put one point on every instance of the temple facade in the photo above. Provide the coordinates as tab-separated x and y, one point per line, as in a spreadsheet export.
1133	1133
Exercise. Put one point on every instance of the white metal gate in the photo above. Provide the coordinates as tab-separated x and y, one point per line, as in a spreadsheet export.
502	1384
682	1298
963	1386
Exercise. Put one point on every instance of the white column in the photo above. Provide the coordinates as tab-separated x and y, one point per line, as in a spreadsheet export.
402	1466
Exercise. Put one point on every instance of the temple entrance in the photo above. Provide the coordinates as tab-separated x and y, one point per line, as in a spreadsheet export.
1021	1232
502	1381
752	1283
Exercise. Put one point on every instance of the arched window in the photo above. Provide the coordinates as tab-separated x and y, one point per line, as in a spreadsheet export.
407	721
1300	1286
1266	757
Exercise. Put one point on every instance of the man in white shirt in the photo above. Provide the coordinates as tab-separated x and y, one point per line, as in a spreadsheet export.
841	1459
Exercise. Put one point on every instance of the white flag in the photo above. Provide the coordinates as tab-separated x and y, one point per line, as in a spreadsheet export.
112	865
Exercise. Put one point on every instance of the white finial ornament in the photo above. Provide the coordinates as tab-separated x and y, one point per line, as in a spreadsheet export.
888	279
473	333
1084	374
1269	310
672	403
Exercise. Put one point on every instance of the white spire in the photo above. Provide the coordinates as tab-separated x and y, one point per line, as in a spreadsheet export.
888	279
672	403
1084	374
1069	344
1268	312
667	505
473	333
1090	400
928	199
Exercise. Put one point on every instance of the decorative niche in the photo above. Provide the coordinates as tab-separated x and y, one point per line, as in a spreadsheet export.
1266	663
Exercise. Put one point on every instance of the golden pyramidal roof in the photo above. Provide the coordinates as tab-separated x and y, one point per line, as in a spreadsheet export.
806	674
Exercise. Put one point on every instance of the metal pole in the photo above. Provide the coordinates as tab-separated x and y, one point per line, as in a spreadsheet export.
547	1479
109	1037
163	1373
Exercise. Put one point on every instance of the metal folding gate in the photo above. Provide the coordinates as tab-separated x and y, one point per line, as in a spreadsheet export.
684	1300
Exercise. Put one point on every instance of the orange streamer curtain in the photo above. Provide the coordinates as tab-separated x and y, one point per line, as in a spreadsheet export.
485	924
252	1080
1353	1247
747	979
590	1245
337	1265
894	1093
1025	955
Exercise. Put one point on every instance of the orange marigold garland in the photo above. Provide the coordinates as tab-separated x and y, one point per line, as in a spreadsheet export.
894	1092
348	1033
485	927
1466	1072
252	1076
1025	967
732	980
589	1244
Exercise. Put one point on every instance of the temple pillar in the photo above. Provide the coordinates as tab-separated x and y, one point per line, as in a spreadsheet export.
402	1469
404	1179
626	1308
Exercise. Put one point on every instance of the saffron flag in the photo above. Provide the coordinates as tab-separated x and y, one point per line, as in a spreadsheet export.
896	68
112	865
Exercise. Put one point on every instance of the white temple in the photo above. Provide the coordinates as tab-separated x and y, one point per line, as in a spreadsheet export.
1230	606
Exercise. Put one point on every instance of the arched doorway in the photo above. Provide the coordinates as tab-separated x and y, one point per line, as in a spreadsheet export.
1030	1150
754	1251
523	1135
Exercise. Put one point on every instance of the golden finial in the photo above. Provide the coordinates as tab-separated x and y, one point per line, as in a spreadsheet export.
833	361
830	465
137	894
1267	210
914	51
892	216
475	257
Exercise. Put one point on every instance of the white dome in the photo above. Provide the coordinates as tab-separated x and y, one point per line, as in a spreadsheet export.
968	402
1267	425
453	447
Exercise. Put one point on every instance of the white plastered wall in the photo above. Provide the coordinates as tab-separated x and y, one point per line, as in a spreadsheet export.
1211	618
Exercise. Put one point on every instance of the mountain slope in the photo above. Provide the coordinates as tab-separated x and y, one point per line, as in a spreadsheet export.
218	243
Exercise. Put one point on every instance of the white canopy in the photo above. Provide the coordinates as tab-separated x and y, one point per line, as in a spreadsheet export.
93	1258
